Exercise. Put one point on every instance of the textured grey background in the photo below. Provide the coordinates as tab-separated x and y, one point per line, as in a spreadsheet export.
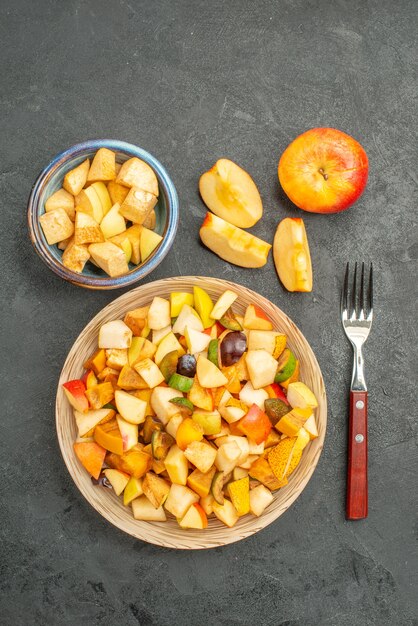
191	82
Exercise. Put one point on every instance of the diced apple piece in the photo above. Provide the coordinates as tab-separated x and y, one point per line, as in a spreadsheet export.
187	318
263	340
91	456
156	489
208	374
75	256
254	447
262	368
132	409
75	390
117	192
201	454
203	305
140	348
113	223
194	518
136	173
159	334
223	304
115	334
117	479
160	402
89	379
159	314
178	299
230	192
134	234
196	341
260	498
310	427
129	433
142	509
149	242
61	199
168	344
226	513
133	490
239	472
87	230
291	255
173	425
233	244
87	421
88	202
250	396
256	319
207	504
137	205
150	372
103	166
180	499
299	395
75	179
56	226
227	456
176	465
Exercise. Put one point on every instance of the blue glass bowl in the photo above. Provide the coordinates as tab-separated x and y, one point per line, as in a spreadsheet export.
50	180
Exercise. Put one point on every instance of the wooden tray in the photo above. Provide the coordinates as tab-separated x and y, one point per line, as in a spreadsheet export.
169	534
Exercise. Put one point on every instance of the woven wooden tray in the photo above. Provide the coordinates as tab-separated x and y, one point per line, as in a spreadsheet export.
169	534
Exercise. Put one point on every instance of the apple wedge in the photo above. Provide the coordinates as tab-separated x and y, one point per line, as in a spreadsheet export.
168	344
160	402
208	375
260	498
129	433
88	202
117	479
150	372
75	390
133	490
229	192
233	244
203	305
291	255
104	197
194	518
149	242
132	409
196	341
187	317
262	368
113	223
180	499
223	303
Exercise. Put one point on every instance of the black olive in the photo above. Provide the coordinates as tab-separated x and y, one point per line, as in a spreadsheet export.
186	365
232	348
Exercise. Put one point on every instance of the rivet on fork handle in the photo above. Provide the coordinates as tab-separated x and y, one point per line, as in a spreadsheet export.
357	485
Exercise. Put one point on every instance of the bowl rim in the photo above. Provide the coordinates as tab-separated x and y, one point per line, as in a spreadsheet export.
42	248
141	532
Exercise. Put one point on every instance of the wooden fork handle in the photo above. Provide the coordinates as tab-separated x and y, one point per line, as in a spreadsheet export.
357	491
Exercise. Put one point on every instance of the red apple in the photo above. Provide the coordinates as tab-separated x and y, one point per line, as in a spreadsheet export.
75	392
323	170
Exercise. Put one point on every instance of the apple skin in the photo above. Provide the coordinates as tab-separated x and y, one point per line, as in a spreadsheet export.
323	170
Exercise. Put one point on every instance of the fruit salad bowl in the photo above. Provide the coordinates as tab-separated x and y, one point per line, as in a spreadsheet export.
170	534
49	183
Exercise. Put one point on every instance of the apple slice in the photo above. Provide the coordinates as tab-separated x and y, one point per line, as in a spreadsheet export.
129	433
299	395
310	427
115	334
149	241
196	341
123	241
187	317
256	319
150	372
103	194
173	425
159	314
194	518
88	202
208	375
201	454
179	500
132	409
91	456
206	502
117	479
113	223
75	390
203	305
233	244
168	344
262	368
75	179
229	192
223	304
291	255
87	421
142	509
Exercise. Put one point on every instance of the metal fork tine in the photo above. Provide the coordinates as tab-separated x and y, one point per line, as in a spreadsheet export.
362	313
370	313
354	295
344	293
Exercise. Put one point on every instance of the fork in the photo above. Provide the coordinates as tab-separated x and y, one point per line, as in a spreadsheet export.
357	317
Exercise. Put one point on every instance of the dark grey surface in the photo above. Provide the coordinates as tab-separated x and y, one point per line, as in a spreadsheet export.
191	82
